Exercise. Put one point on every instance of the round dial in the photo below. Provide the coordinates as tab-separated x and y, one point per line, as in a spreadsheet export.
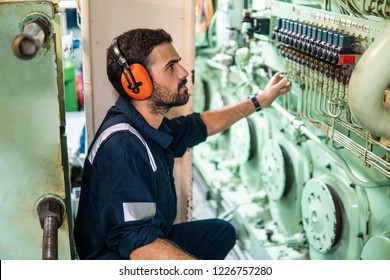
240	138
321	213
275	168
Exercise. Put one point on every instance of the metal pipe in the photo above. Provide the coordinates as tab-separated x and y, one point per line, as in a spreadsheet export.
50	238
301	126
36	30
366	89
50	210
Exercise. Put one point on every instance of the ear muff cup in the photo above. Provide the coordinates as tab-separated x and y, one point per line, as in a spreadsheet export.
141	75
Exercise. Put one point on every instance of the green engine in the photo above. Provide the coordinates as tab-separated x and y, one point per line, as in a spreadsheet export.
307	178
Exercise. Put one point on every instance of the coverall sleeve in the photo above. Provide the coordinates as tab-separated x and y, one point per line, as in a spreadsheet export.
187	132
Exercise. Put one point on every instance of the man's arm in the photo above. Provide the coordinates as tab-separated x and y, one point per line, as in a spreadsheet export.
219	120
160	249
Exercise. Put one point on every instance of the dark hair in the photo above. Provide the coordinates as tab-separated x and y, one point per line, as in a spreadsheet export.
135	46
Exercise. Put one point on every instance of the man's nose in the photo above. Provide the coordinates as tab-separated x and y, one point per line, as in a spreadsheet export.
183	73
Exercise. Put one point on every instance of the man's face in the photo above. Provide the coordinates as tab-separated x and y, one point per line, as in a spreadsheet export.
169	79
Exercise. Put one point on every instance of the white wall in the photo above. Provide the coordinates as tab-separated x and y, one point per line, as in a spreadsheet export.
102	21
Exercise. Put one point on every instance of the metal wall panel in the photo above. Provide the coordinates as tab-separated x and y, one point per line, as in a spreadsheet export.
32	147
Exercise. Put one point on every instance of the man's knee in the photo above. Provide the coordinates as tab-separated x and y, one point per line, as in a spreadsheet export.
226	231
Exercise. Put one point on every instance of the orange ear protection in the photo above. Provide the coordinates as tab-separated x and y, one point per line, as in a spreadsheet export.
135	79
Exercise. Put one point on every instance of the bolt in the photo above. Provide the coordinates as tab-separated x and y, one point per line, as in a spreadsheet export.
50	207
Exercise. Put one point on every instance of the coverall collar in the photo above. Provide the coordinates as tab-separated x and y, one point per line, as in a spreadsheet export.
160	136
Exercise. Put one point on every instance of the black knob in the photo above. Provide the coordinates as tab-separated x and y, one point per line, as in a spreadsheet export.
269	233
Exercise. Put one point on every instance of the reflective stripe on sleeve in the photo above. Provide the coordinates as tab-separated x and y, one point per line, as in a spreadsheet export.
137	211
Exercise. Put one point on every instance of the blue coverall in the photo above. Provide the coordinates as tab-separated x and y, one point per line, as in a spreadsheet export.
128	196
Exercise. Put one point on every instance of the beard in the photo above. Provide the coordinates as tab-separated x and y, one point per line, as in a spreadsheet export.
164	98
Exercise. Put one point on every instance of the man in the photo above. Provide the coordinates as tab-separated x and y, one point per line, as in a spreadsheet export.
128	203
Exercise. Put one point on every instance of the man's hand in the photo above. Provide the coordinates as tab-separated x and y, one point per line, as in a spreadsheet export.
276	86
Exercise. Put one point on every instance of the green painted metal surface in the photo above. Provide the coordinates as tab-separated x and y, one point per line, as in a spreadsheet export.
32	144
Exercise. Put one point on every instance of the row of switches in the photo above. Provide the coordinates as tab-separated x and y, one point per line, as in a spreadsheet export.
322	43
